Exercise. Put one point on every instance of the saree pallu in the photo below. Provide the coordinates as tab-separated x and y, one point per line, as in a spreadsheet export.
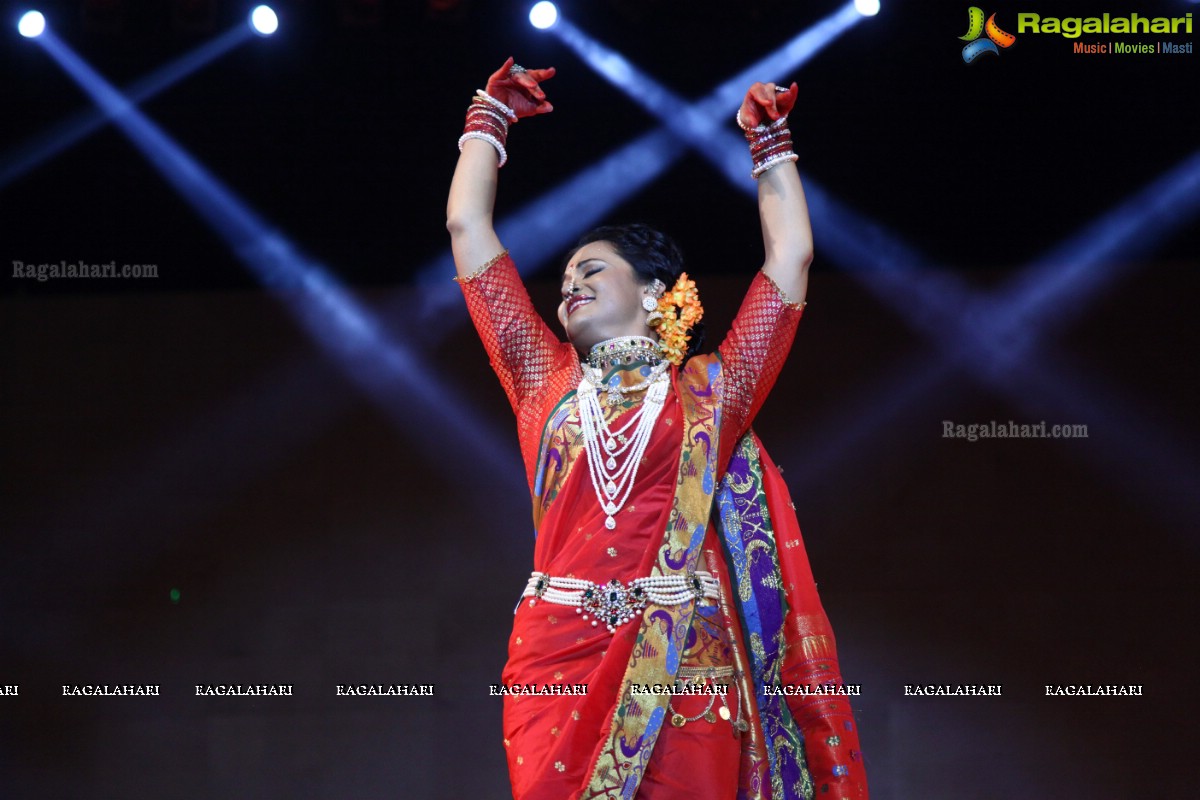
809	743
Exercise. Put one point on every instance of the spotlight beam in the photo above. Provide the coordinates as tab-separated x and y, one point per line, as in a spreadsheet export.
701	124
1113	240
1164	205
946	303
41	148
536	232
388	371
894	263
972	334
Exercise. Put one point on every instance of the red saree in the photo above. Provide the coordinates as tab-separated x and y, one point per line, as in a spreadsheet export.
608	743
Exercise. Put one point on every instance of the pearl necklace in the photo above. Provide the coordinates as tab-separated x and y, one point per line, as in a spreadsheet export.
613	481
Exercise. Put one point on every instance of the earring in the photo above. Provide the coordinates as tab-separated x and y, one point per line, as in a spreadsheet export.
651	303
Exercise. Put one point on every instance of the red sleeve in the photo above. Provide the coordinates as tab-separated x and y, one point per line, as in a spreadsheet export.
753	353
521	346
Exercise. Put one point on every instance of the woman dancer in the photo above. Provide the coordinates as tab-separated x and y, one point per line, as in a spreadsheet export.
669	573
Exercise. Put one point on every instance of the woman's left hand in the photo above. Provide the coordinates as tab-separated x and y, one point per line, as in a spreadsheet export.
764	103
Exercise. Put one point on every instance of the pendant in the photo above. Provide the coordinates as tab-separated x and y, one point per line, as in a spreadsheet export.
724	712
679	720
611	464
611	509
709	716
611	489
610	523
610	445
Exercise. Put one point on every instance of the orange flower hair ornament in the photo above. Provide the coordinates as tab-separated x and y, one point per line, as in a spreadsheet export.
680	309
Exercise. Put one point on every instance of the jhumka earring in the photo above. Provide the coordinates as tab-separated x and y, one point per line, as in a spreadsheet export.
651	303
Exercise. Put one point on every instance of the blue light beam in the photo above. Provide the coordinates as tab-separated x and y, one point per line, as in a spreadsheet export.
701	124
540	231
543	229
46	145
979	337
1084	265
390	373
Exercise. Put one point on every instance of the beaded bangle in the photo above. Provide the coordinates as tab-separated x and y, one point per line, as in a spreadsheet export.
484	123
770	145
487	137
772	162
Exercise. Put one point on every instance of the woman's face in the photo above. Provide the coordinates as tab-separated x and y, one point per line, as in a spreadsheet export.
602	297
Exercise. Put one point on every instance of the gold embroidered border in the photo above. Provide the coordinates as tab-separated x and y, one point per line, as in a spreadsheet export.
783	295
491	262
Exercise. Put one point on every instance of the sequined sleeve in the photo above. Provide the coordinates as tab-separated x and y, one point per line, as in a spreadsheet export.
754	351
522	349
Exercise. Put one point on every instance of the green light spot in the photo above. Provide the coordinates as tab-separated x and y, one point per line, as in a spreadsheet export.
174	595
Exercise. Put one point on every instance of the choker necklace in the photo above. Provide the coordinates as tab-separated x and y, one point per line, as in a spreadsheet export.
624	350
612	479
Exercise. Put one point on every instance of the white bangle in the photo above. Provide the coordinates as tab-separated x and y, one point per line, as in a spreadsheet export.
773	161
487	137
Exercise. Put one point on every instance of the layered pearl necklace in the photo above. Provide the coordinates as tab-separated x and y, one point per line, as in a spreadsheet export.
614	455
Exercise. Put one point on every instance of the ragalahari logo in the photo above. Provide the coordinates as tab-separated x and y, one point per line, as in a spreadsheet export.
976	27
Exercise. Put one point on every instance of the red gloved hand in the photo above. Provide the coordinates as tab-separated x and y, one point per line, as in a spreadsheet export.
520	91
764	104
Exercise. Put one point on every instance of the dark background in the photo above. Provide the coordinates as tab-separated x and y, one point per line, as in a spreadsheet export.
323	527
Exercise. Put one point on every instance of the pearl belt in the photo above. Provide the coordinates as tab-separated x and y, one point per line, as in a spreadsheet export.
616	603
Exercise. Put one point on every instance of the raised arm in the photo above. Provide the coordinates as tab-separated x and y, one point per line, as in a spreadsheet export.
512	93
782	209
758	342
521	347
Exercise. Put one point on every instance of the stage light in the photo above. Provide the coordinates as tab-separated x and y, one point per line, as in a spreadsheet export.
868	8
543	15
263	20
32	24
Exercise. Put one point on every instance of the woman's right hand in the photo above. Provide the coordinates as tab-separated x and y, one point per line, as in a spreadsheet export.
520	91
